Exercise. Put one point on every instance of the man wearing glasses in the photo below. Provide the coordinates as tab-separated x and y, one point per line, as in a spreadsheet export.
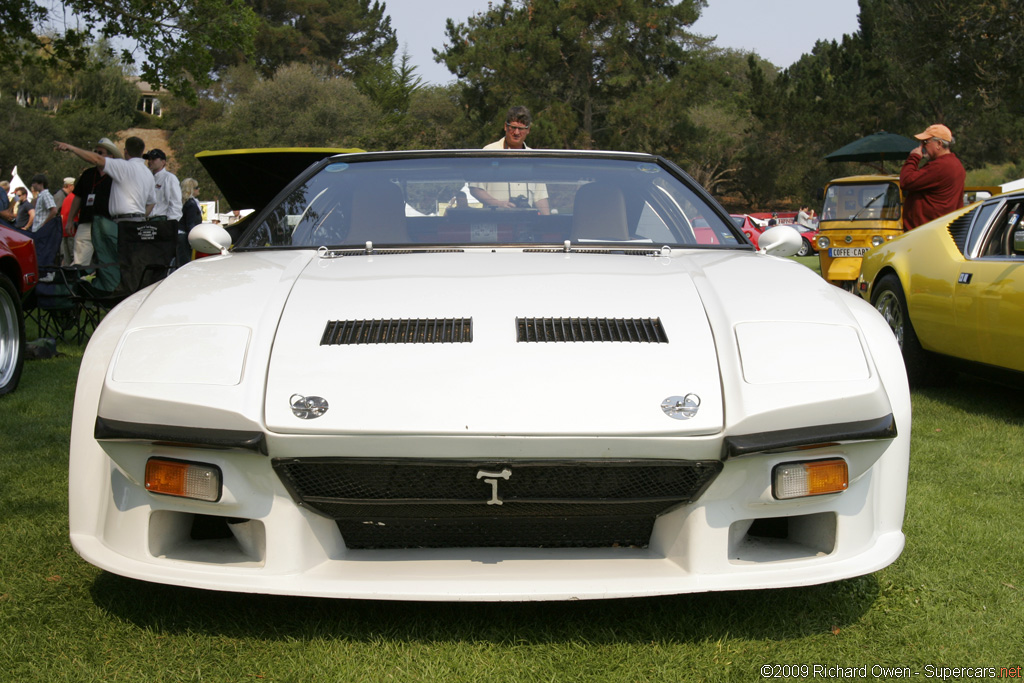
26	211
936	187
513	195
517	127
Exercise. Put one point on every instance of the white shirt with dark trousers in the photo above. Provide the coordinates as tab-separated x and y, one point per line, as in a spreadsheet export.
132	190
168	195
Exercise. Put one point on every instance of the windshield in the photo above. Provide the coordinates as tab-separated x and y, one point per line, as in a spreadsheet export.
862	202
506	199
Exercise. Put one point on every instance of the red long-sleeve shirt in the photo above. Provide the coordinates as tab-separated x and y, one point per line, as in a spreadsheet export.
932	190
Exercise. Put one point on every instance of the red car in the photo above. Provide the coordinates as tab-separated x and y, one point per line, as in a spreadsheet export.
752	227
18	275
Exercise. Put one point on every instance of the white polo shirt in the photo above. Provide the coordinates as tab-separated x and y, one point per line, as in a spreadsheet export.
133	188
506	191
167	195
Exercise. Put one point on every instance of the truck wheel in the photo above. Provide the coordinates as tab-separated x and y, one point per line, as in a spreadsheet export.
12	336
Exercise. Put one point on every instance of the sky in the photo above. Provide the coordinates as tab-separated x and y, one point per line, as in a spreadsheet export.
778	30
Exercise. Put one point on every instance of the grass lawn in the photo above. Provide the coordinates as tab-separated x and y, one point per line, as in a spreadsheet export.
953	599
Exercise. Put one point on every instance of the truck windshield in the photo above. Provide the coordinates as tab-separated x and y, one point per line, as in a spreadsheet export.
862	202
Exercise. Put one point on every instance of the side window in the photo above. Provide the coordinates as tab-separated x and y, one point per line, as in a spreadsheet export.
999	231
981	226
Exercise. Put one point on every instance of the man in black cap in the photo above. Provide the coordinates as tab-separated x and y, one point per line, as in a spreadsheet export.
167	206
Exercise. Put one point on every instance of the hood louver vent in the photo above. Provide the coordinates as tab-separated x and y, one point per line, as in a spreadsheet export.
402	331
591	330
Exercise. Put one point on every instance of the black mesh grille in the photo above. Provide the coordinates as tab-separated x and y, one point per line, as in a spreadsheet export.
591	330
420	504
401	331
959	229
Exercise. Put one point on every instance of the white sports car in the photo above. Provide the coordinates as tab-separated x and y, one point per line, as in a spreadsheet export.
474	375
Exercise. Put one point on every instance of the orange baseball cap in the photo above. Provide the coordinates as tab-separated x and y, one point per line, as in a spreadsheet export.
936	130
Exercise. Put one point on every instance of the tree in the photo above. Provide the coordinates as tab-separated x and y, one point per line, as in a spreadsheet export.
910	64
52	103
103	101
348	37
391	87
435	119
28	140
176	40
569	61
962	68
301	106
704	133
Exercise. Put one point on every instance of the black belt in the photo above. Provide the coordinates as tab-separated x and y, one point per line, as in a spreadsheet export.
128	215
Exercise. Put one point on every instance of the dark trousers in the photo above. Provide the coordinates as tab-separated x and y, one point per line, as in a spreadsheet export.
47	239
104	244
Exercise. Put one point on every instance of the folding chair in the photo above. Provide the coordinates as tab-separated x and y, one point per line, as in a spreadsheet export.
94	303
54	308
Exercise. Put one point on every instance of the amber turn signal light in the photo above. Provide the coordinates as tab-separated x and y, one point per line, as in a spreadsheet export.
185	479
811	478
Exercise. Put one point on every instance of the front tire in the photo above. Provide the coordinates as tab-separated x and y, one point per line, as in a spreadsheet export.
889	300
12	336
805	249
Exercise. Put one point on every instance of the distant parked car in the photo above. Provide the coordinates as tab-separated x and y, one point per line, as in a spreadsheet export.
18	275
808	235
753	227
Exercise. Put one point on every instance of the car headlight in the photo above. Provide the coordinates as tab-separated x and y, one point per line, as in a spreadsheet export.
877	240
823	242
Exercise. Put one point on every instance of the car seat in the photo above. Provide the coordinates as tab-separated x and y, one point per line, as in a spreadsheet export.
599	213
378	214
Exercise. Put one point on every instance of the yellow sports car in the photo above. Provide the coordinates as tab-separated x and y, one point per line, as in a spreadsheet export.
953	290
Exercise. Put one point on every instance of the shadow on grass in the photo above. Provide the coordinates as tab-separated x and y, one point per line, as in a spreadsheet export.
774	615
977	396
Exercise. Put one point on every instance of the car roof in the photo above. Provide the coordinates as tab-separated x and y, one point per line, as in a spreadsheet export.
866	179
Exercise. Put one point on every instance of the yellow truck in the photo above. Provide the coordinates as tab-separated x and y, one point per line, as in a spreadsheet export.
857	213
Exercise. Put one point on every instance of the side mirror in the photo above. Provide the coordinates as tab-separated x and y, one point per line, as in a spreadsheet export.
209	238
781	240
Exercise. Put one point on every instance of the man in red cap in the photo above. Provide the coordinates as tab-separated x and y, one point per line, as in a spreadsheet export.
935	187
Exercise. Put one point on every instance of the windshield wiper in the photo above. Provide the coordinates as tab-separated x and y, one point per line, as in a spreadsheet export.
324	251
568	247
631	249
868	205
